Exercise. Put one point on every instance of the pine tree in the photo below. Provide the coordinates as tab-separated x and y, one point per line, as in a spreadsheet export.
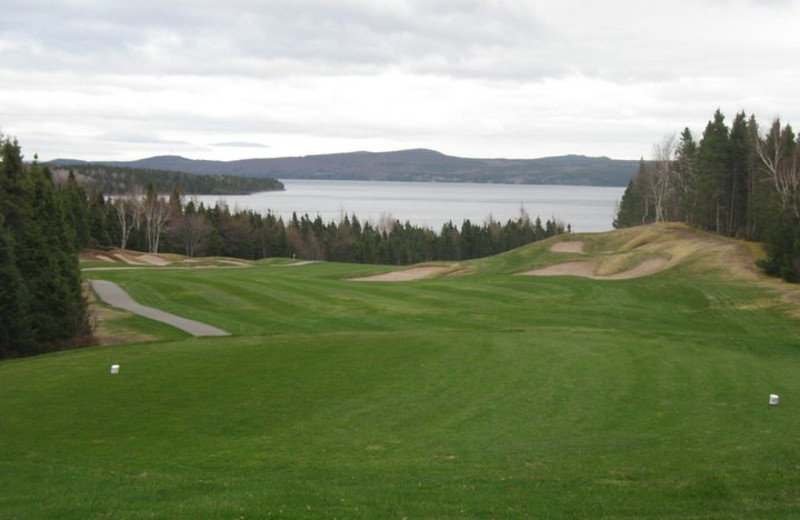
50	267
741	152
98	221
73	199
15	329
40	283
686	177
713	171
634	207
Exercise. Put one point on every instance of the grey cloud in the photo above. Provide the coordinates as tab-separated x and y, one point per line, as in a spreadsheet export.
500	39
241	144
267	38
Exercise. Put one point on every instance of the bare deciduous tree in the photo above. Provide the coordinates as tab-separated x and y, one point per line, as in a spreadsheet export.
124	207
778	154
156	215
660	176
193	230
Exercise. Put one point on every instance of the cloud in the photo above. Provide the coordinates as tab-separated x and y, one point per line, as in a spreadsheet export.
240	144
470	77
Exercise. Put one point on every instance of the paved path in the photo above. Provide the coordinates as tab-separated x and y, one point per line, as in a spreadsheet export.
115	296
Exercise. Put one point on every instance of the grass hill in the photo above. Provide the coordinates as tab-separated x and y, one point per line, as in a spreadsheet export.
481	391
409	165
119	180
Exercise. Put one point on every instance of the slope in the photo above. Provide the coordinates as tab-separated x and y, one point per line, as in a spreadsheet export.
408	165
475	395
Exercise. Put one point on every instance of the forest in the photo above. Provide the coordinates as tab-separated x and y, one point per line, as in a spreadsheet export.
41	301
145	220
118	180
739	181
46	219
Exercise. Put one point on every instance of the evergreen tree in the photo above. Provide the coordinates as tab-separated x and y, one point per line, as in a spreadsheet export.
634	209
15	330
686	177
735	183
49	263
741	152
40	288
98	221
73	200
713	172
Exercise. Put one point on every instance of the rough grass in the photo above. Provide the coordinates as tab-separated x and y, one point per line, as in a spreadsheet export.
486	395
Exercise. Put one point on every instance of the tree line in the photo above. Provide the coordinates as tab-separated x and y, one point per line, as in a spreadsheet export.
147	221
739	181
42	307
119	180
45	222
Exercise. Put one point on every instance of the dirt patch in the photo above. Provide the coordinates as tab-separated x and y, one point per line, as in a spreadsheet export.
301	263
572	246
102	258
415	273
646	268
584	268
152	260
126	259
239	263
588	268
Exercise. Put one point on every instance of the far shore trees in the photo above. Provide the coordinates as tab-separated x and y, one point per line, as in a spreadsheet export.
145	220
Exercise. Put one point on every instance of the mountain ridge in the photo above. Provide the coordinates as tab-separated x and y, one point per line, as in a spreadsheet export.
418	164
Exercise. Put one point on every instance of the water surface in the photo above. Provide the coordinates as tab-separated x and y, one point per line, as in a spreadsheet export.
431	204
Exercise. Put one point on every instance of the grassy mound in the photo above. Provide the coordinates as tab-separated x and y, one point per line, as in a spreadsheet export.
479	395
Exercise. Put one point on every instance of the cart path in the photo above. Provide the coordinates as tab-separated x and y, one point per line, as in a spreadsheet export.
115	296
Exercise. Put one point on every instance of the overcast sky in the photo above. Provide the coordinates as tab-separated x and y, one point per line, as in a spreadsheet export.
102	79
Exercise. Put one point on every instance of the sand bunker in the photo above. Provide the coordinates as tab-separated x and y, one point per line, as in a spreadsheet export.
572	246
586	269
152	260
125	259
102	258
239	263
415	273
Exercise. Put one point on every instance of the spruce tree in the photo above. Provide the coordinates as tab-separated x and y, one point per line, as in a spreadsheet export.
634	209
686	177
15	329
40	285
98	221
713	171
73	200
741	152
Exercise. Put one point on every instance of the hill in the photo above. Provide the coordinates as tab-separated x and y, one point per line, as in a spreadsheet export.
483	392
410	165
119	180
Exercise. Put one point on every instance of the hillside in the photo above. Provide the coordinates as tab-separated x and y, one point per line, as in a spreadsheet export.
482	391
410	165
118	180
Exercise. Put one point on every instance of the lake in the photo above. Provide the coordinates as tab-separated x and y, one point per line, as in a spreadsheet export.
431	204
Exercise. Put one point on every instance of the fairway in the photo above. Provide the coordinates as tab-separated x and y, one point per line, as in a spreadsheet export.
474	393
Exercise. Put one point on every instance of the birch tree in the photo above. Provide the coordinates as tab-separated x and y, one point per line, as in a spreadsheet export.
660	176
156	215
779	156
124	209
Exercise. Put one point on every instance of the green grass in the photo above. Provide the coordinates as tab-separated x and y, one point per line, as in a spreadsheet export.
480	396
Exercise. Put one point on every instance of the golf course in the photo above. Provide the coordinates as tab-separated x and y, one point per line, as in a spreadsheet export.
618	375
